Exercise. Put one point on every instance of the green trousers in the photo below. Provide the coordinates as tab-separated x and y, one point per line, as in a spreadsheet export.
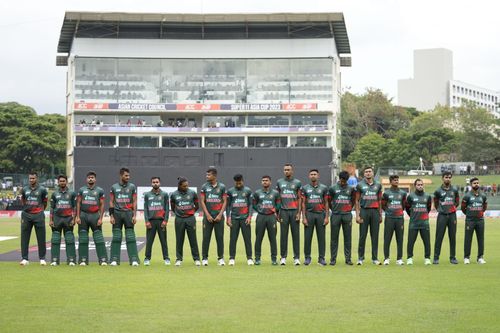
208	227
314	221
89	222
446	221
393	226
337	221
236	225
371	220
124	219
289	222
263	223
472	225
425	234
62	226
156	228
183	226
28	221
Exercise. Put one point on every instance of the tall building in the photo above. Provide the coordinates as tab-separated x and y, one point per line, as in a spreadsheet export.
433	84
171	94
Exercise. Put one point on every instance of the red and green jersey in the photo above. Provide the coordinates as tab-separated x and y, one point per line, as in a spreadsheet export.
213	196
90	198
342	198
123	195
315	197
156	205
62	203
394	202
474	205
369	194
418	206
266	202
289	190
447	200
239	202
34	199
184	204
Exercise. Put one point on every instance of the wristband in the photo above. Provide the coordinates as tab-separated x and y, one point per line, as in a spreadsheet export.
111	211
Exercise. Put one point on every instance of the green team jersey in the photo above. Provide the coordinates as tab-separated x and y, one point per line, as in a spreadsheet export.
34	199
266	202
341	198
90	198
418	207
289	190
183	203
63	203
315	197
213	197
123	195
447	199
239	202
474	205
156	205
394	202
369	195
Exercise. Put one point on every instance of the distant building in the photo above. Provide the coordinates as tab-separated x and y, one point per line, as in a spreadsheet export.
433	84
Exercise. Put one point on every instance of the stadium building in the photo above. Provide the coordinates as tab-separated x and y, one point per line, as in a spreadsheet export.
171	94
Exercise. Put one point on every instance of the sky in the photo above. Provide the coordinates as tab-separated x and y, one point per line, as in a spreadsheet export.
382	34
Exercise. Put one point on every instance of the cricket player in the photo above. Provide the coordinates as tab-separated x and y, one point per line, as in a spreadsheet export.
239	216
315	215
342	201
368	213
156	210
122	213
62	211
184	204
393	203
418	206
89	214
474	204
34	198
213	203
446	201
290	212
266	202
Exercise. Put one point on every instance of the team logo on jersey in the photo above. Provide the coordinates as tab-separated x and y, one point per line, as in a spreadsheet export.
188	197
217	191
66	196
292	186
243	195
127	190
36	193
94	193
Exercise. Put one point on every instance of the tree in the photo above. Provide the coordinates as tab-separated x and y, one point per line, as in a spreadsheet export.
370	151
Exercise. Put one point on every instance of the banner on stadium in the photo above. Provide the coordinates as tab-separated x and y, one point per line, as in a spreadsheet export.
82	106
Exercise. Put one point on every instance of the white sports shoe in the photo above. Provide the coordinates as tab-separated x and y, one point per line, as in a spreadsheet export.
167	262
296	262
72	263
399	262
376	262
283	261
387	262
43	262
146	262
204	262
427	262
54	263
104	263
113	263
250	262
221	262
466	261
135	263
24	262
198	263
178	263
231	262
83	263
481	261
360	262
409	261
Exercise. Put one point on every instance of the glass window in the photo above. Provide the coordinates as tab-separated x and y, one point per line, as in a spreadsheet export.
309	141
181	142
138	80
268	120
138	141
223	121
306	120
267	141
224	142
95	141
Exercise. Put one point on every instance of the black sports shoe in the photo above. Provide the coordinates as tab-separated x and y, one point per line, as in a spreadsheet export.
454	261
322	262
307	262
349	262
435	261
333	262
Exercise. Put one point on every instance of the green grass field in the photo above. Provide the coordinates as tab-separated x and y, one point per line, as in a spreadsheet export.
251	299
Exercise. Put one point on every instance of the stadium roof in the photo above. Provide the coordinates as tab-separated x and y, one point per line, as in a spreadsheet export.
203	26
